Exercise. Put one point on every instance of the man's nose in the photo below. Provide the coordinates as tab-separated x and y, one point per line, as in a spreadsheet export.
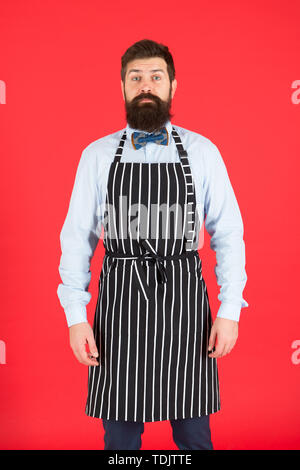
145	86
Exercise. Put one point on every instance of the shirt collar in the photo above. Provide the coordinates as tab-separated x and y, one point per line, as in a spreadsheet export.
130	130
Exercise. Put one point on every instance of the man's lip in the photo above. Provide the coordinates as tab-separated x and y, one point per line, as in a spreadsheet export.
146	99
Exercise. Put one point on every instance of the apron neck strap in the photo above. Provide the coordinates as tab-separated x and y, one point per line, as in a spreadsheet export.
182	153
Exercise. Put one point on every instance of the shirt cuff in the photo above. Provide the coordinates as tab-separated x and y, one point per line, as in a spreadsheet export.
229	311
75	313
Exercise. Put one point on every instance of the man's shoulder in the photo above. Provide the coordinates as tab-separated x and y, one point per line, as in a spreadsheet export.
107	142
194	139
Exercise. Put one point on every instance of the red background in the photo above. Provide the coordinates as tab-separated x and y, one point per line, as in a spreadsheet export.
235	64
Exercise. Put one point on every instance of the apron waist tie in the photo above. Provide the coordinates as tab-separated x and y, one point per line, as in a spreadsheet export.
152	256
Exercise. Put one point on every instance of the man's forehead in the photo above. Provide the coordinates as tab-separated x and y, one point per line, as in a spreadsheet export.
147	64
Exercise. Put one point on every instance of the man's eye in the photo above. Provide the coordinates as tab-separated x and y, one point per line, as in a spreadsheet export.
155	76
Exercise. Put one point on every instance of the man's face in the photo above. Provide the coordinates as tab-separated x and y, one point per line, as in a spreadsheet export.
148	78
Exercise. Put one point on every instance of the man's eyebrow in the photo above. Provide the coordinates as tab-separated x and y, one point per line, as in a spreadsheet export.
137	70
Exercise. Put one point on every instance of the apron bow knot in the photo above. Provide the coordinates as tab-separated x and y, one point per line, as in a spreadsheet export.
158	260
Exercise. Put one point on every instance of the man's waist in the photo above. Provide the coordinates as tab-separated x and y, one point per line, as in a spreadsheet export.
149	255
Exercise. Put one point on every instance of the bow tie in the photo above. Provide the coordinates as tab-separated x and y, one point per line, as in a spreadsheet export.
139	139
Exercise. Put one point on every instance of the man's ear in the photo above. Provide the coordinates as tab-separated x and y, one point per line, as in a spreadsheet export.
174	86
122	89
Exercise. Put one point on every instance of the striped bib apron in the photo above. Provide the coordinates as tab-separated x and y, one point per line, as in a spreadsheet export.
153	319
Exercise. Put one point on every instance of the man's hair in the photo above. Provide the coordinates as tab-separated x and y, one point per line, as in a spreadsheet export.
146	48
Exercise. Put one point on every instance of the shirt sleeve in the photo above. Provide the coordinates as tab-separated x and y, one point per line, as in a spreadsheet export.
78	239
224	224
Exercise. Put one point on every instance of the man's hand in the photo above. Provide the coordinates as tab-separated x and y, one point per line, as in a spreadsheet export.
226	332
81	335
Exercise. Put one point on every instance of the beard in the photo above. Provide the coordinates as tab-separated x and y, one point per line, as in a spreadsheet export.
147	116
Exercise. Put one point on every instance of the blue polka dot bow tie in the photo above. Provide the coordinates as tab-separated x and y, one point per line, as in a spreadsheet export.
139	139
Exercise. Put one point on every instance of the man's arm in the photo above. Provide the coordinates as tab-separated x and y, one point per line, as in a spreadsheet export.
224	224
78	238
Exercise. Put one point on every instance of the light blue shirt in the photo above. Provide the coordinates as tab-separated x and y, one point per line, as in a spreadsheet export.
215	199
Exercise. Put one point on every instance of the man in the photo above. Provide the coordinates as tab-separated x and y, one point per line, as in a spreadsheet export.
153	335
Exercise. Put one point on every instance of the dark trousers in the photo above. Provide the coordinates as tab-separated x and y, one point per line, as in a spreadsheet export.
190	433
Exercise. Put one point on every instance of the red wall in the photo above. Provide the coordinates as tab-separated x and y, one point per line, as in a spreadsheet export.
236	63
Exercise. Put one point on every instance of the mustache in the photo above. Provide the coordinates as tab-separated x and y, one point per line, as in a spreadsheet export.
145	96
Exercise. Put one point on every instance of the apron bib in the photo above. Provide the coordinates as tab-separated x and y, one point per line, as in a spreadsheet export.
153	319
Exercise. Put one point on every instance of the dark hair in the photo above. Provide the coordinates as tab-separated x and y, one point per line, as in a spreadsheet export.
147	48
